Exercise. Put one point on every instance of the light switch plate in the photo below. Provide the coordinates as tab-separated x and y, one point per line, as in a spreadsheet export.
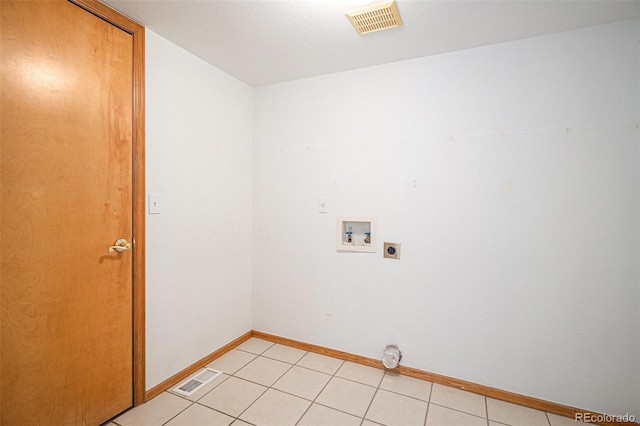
154	204
323	205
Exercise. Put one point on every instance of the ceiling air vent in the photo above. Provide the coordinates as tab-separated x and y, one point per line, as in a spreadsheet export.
375	18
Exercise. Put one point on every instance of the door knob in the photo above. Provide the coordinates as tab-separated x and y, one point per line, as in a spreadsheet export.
120	246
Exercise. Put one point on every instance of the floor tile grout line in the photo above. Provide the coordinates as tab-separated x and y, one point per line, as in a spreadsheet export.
248	352
486	416
231	415
285	346
313	401
367	366
338	410
324	387
180	412
280	360
250	405
327	384
364	416
261	384
459	411
486	410
215	409
426	415
405	395
292	394
355	381
323	372
244	350
298	396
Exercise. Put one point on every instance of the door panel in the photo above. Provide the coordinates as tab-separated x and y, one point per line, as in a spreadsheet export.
66	197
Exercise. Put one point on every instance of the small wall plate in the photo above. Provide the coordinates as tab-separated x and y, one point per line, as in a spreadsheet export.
392	250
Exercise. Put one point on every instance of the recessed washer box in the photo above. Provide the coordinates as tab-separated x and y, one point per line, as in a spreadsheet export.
356	234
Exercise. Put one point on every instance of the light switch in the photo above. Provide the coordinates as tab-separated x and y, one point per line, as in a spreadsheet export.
154	204
323	205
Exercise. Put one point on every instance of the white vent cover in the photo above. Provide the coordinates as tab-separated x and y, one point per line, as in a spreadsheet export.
190	386
375	18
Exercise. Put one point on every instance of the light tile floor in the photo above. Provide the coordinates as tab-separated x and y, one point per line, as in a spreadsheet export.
271	384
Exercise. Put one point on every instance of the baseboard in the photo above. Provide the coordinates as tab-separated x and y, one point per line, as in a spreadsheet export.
527	401
178	377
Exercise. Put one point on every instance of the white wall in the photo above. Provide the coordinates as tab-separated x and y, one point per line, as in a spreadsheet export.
199	136
508	173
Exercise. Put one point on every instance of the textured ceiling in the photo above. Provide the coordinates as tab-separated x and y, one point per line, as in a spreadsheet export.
268	41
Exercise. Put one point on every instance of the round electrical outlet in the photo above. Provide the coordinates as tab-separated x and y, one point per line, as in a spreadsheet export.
392	250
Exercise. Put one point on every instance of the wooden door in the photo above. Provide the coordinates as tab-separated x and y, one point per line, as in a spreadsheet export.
66	166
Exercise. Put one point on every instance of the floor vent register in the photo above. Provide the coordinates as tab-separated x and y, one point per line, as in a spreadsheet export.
191	385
